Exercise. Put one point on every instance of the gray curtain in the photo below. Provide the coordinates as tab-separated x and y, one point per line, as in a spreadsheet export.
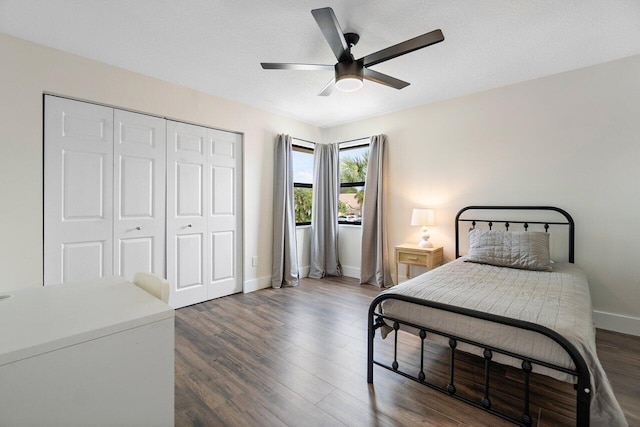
285	258
374	268
324	214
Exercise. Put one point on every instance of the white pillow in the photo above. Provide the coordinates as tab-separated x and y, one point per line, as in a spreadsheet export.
527	250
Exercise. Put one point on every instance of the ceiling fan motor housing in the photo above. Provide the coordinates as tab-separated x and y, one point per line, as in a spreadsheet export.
349	75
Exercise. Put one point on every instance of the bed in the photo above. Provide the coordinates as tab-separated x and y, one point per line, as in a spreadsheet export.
537	321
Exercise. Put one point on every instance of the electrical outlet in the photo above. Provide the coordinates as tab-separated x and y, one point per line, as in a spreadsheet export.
254	261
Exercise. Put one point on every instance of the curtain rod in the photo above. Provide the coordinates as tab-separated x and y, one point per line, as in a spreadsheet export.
300	139
339	142
355	139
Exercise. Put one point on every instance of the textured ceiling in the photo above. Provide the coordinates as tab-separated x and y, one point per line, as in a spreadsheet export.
215	46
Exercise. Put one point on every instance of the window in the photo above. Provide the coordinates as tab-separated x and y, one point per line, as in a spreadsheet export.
302	180
354	157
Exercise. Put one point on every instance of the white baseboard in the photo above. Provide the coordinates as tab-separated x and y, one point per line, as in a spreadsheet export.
351	271
617	322
256	284
304	271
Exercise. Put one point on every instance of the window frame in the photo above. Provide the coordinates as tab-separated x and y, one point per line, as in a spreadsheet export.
352	145
308	150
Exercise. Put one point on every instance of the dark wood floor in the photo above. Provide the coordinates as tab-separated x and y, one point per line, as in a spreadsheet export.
297	356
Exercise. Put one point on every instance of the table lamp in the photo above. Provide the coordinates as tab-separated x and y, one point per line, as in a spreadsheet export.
425	218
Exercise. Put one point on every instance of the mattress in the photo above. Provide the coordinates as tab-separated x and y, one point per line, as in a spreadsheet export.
559	300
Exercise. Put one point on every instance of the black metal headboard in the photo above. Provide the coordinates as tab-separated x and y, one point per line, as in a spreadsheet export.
525	223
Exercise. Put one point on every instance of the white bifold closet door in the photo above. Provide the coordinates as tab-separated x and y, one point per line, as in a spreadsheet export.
78	191
139	152
204	205
126	192
104	192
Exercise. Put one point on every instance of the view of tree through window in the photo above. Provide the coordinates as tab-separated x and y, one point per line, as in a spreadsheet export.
353	171
302	201
302	160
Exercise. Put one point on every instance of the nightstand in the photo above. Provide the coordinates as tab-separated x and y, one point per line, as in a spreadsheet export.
410	254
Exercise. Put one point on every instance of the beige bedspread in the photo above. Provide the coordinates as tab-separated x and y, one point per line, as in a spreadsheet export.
559	300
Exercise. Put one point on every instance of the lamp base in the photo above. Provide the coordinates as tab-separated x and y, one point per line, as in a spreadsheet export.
424	242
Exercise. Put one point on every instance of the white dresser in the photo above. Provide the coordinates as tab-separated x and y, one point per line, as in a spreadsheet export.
90	354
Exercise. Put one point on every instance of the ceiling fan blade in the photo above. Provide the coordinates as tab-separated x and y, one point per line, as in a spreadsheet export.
302	67
328	89
331	30
394	51
384	79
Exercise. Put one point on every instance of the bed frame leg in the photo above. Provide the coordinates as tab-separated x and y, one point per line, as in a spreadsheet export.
526	416
583	404
451	388
486	401
371	332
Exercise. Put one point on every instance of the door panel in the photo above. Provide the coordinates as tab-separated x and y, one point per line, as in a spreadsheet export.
136	254
222	196
139	193
189	261
79	122
223	216
78	191
189	142
82	185
186	223
132	132
82	261
136	201
223	147
222	251
189	191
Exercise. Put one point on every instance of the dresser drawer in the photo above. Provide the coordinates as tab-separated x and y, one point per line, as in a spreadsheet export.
409	258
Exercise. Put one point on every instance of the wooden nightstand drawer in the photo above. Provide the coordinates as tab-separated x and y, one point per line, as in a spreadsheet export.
410	254
408	258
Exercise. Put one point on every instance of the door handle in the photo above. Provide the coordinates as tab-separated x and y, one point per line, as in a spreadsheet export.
138	228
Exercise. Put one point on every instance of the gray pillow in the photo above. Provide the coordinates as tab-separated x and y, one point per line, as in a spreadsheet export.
527	250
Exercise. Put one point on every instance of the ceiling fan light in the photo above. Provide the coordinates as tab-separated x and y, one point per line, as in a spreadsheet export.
349	75
349	83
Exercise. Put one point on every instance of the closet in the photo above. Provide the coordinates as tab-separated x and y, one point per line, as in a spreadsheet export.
127	192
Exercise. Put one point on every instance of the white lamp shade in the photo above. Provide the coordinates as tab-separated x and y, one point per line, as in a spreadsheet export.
426	217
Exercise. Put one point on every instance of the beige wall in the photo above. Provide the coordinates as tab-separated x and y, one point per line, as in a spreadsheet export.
28	70
350	249
303	246
571	140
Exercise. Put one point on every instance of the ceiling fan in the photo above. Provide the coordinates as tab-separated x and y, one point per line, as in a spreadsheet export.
349	72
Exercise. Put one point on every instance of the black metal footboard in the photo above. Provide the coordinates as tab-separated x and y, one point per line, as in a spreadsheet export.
583	387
